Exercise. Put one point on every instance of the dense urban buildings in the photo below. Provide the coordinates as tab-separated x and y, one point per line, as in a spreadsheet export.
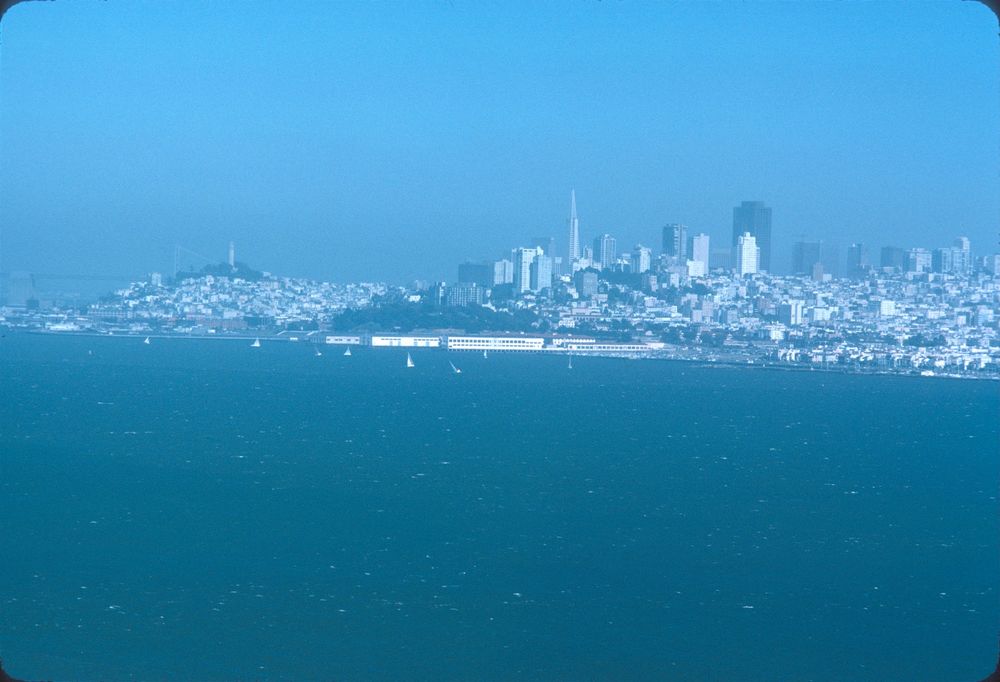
919	310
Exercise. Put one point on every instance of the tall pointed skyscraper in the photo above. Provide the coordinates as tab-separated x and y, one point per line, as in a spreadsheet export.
574	230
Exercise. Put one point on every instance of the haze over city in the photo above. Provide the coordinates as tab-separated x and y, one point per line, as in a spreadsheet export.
392	142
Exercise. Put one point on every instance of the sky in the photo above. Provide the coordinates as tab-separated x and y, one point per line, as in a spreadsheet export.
387	141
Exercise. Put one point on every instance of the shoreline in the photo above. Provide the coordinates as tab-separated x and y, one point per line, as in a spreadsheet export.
747	362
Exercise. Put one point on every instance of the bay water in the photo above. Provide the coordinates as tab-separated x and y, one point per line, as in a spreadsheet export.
204	510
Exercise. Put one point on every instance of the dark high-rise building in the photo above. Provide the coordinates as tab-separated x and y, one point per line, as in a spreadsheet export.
476	273
805	255
546	244
754	217
857	260
675	240
893	257
942	260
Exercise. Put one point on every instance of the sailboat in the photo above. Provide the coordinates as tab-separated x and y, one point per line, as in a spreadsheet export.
570	362
146	340
318	352
255	344
409	361
484	352
454	369
347	353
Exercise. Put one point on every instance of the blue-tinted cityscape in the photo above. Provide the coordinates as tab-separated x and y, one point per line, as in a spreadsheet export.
882	308
504	341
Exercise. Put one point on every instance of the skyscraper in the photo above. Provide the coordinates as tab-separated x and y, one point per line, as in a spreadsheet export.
541	273
523	258
478	273
857	260
747	255
700	249
962	256
893	257
942	260
754	218
546	244
805	255
675	240
574	230
605	249
642	259
918	260
503	271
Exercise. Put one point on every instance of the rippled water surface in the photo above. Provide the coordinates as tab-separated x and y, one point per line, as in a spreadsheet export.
206	510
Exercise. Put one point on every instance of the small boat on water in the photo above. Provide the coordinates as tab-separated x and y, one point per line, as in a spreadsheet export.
255	344
409	361
570	366
454	369
484	353
146	340
347	353
317	352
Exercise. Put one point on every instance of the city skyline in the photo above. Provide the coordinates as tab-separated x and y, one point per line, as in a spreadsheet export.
327	174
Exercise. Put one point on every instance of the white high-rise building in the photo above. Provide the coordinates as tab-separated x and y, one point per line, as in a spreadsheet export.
747	255
642	259
919	260
523	258
574	230
503	271
699	249
604	251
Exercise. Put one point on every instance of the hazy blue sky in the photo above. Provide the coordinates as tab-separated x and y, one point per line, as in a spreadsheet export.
394	140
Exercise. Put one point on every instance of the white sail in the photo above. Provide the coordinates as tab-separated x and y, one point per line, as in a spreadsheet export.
146	340
348	351
454	369
255	344
570	362
409	361
484	353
